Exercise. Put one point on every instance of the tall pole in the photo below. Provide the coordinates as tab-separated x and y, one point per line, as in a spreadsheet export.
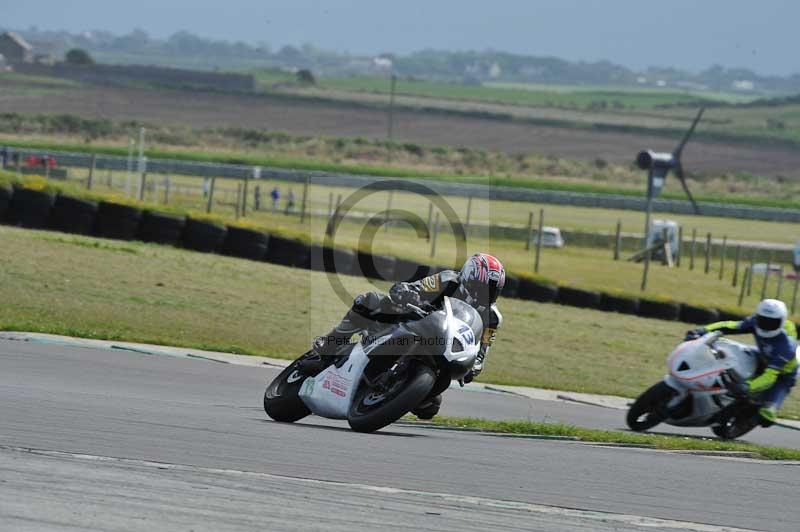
131	144
142	164
390	117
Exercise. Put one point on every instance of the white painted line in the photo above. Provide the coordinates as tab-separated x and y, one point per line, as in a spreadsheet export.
522	507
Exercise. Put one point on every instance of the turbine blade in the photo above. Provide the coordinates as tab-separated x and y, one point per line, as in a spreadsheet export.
682	177
679	149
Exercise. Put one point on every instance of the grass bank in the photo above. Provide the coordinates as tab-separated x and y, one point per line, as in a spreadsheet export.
655	441
96	288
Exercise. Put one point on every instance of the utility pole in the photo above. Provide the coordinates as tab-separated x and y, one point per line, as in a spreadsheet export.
390	117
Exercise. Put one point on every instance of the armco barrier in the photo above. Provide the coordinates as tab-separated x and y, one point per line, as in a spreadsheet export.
123	222
71	215
556	197
30	208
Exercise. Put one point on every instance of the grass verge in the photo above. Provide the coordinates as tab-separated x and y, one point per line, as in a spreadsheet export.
655	441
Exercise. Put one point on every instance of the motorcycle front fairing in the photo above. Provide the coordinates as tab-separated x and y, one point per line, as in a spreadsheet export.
695	374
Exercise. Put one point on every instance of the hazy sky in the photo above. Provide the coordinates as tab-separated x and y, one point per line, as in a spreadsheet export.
693	34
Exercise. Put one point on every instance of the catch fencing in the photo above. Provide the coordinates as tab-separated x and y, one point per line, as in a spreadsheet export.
491	192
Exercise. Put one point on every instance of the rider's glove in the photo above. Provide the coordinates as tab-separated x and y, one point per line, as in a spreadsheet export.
402	295
694	334
734	386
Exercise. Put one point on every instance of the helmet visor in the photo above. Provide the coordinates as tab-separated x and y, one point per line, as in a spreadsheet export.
484	293
765	323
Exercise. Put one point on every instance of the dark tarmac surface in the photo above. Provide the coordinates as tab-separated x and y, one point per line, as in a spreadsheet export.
108	440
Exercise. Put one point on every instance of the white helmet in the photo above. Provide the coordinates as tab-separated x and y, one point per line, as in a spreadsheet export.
770	318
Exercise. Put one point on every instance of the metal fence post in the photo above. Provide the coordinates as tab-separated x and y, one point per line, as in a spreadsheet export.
435	235
748	274
680	246
618	240
736	266
91	172
244	197
539	240
693	249
211	195
722	256
708	253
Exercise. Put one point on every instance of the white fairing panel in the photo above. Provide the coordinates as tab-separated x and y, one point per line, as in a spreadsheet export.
697	366
461	331
330	393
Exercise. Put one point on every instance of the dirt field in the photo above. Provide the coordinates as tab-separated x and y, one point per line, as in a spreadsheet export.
321	118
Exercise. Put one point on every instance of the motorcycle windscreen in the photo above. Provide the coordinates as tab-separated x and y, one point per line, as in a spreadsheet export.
468	315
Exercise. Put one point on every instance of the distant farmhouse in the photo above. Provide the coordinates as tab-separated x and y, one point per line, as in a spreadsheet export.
15	49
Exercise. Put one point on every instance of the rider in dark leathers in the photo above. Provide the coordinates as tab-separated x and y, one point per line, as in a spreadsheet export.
479	283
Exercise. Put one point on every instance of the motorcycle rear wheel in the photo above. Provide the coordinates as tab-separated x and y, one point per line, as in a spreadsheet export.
281	399
371	411
736	421
650	408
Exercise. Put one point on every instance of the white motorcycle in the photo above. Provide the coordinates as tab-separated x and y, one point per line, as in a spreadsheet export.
378	380
695	391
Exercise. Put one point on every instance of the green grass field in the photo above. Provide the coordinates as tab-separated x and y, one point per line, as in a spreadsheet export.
659	110
132	291
588	268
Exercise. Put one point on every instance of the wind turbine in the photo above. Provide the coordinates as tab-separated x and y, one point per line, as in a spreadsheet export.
658	165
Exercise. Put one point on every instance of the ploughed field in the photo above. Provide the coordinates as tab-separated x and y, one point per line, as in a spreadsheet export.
345	119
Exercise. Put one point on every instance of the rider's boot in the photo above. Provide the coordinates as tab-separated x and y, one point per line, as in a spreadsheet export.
323	348
428	408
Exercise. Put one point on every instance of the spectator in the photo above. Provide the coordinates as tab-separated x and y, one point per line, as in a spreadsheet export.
257	198
290	202
276	196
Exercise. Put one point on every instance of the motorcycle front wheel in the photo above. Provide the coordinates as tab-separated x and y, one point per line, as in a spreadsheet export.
281	399
650	408
372	410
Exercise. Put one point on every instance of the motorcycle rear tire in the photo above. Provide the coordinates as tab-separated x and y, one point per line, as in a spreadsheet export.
736	421
281	399
652	404
419	384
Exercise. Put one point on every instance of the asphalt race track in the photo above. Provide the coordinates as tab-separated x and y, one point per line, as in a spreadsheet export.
96	439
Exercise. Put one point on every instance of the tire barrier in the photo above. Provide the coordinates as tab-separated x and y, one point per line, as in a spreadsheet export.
371	266
117	221
576	297
30	208
621	304
536	291
5	200
662	310
71	215
245	243
343	259
37	209
725	315
288	252
409	271
511	287
161	228
206	237
698	315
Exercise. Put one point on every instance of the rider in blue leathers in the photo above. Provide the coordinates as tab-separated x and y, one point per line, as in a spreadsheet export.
776	339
